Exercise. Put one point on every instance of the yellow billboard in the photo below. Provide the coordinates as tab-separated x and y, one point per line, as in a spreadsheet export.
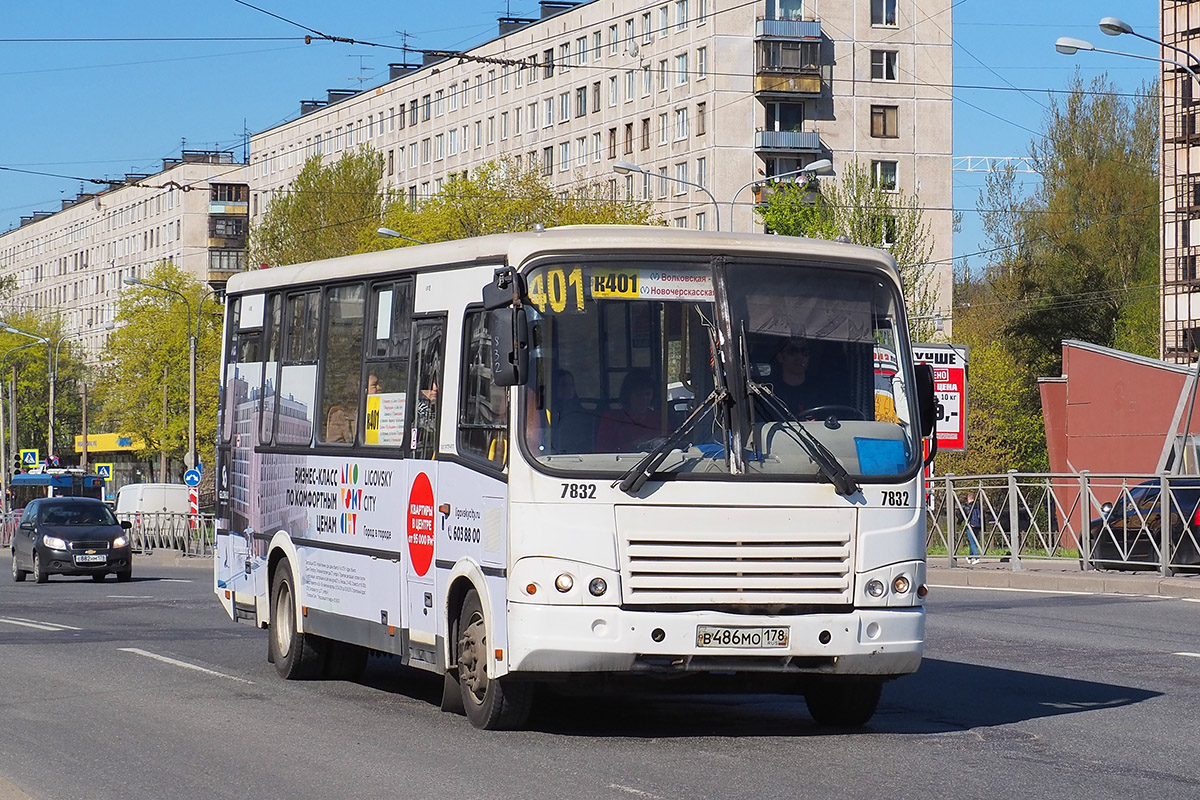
109	442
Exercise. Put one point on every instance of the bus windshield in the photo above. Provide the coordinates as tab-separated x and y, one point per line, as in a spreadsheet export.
634	360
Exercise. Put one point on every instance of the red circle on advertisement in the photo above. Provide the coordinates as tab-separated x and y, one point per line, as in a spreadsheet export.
420	524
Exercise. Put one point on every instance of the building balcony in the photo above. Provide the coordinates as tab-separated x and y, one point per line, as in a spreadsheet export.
787	29
241	209
788	141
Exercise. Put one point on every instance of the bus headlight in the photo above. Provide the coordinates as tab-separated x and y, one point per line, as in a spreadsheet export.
875	587
564	583
901	585
598	586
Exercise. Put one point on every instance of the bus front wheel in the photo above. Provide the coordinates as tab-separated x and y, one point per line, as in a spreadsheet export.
489	703
297	656
843	703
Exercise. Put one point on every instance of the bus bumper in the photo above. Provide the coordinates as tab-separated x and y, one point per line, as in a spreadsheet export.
874	642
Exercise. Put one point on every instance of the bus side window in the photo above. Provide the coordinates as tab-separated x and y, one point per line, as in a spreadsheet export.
483	408
342	374
298	368
271	347
425	413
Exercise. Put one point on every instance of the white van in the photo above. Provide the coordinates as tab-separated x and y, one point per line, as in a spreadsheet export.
152	498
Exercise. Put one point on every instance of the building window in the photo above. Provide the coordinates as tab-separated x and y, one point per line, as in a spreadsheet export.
681	69
596	144
595	97
504	125
883	65
681	14
647	80
790	56
883	175
702	171
681	124
491	83
581	101
883	12
885	123
647	29
564	56
628	138
630	82
701	221
425	151
581	151
548	63
681	176
439	103
391	162
548	107
662	182
613	92
564	106
701	118
646	133
680	222
662	75
426	107
581	49
547	161
785	117
439	147
664	16
663	133
564	156
702	63
491	130
612	40
612	143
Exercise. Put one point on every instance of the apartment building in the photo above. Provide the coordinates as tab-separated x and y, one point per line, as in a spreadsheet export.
1180	178
717	92
72	262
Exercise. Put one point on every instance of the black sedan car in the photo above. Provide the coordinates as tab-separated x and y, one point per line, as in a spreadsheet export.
70	536
1128	534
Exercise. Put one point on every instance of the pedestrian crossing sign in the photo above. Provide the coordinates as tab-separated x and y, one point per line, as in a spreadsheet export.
29	458
104	471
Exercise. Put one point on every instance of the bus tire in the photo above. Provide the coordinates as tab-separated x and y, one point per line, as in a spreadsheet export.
843	703
18	573
298	656
489	703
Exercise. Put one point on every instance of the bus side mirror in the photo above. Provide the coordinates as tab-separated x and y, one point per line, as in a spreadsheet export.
507	285
926	399
510	346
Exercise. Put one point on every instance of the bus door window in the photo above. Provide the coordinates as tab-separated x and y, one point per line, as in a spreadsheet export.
386	367
243	378
425	416
483	408
298	368
342	374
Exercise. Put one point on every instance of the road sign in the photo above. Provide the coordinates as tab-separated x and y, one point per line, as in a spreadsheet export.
29	458
949	364
192	477
104	471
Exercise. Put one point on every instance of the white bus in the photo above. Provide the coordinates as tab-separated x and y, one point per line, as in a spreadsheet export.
581	456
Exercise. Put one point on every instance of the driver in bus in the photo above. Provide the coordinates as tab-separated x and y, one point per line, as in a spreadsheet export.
792	387
635	421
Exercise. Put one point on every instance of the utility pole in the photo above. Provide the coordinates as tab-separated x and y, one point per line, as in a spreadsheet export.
83	448
162	456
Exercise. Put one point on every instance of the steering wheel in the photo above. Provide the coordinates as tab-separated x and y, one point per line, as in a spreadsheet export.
831	410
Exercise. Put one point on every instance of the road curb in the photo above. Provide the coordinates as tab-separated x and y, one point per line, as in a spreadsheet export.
1059	579
170	558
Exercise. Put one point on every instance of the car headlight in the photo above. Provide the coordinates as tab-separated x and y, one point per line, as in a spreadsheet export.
54	543
120	541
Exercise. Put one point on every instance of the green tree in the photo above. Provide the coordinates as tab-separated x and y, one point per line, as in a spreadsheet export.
499	198
149	351
1078	257
867	213
326	212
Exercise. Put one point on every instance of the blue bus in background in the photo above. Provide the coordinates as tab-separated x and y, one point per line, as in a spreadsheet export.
24	487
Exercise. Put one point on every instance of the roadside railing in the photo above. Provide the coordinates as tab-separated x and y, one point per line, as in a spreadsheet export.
188	534
1103	521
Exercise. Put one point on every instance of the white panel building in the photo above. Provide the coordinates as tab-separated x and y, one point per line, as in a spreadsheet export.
715	92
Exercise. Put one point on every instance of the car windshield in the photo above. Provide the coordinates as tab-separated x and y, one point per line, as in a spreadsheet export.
626	367
76	514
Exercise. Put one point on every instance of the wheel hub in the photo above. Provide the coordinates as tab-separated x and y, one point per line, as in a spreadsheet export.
472	658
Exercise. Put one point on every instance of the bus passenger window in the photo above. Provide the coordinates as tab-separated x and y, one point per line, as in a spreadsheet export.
297	393
388	341
341	378
425	417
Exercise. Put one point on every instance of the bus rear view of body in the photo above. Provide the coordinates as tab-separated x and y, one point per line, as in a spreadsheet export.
582	458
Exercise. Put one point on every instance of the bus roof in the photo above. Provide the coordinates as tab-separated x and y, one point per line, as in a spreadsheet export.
516	248
57	479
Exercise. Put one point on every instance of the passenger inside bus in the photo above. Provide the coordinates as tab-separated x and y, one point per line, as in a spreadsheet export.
342	416
635	421
572	429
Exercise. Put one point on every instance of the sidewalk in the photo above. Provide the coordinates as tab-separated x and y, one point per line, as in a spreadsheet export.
1058	575
170	558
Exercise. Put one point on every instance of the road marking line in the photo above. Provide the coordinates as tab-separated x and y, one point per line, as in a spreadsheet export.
1190	599
1009	589
184	664
631	790
41	626
1189	655
174	580
131	597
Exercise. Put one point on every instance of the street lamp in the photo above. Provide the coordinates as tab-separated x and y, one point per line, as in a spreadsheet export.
821	166
1115	27
388	233
625	167
1068	46
50	368
192	335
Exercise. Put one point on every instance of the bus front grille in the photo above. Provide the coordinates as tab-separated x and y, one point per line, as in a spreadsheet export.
735	556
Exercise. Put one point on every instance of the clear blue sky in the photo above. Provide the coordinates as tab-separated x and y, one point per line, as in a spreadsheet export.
94	110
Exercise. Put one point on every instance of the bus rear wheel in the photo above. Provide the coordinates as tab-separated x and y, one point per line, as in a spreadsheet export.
843	703
297	656
490	703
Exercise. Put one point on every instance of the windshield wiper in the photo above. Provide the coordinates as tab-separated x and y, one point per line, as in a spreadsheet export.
825	460
639	473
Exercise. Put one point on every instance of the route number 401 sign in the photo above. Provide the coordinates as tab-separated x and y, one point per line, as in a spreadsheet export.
949	362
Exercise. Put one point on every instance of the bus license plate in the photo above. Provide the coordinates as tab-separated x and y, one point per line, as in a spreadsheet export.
92	559
744	637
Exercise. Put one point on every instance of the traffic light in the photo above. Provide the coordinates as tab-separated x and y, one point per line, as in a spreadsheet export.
17	465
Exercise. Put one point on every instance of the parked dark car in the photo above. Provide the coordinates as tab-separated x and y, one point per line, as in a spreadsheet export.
70	536
1127	535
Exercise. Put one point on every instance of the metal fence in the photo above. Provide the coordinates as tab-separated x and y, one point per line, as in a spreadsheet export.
1103	521
187	534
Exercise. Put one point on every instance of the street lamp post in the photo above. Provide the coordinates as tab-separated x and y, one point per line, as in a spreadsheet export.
192	334
625	167
1068	46
820	166
1115	27
388	233
50	369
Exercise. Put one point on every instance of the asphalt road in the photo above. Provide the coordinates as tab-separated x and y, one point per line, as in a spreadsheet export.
147	690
